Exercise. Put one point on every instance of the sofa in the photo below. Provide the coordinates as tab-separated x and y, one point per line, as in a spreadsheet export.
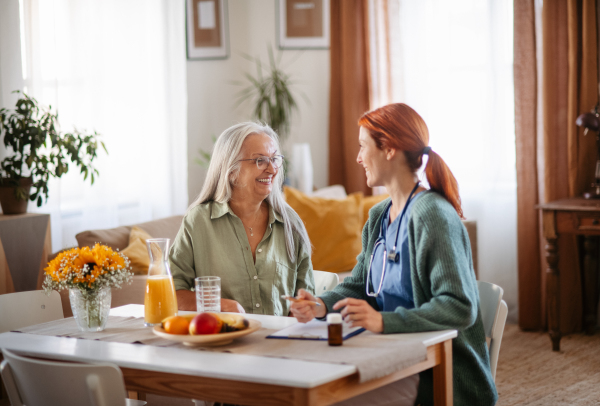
333	220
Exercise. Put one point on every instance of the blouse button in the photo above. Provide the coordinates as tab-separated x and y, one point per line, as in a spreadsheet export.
258	305
255	277
260	250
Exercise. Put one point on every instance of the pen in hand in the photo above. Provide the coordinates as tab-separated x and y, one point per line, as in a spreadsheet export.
293	299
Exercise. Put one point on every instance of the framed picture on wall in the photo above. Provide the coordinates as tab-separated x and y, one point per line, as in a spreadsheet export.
303	24
206	29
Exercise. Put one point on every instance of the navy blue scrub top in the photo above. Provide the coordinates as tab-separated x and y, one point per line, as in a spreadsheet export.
397	286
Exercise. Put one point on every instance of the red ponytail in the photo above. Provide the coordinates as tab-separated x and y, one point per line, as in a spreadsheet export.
399	126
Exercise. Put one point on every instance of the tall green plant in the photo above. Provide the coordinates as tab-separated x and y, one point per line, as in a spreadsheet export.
38	150
270	94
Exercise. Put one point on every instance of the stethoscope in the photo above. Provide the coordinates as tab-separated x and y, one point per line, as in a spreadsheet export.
393	255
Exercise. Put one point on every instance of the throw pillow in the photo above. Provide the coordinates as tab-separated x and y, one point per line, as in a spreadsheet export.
334	227
137	252
369	202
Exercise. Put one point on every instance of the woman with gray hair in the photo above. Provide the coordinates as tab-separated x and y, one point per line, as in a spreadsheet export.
241	229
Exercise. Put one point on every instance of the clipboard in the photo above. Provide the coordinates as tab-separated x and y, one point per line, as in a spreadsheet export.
313	330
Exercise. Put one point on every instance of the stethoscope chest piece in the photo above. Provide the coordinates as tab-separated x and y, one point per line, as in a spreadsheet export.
393	256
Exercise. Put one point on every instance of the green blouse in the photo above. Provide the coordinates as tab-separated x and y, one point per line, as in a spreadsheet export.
212	241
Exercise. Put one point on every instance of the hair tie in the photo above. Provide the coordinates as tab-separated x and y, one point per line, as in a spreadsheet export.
426	150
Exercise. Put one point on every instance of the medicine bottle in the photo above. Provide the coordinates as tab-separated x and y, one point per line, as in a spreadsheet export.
334	329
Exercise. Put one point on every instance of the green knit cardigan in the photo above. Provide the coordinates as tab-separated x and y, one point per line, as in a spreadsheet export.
444	290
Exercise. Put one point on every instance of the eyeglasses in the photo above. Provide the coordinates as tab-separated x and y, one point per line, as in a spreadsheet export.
262	162
375	294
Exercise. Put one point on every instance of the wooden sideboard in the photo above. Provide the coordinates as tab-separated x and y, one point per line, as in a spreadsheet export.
25	243
581	217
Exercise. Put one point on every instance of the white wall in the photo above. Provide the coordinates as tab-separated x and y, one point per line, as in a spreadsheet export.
212	96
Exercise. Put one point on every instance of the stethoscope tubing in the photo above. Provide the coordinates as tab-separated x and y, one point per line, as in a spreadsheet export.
393	256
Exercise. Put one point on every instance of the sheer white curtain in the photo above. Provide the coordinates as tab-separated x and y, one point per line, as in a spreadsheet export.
452	62
117	67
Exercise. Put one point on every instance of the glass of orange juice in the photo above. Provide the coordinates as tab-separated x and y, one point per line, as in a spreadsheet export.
160	301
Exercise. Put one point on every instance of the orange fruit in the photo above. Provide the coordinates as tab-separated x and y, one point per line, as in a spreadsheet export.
176	325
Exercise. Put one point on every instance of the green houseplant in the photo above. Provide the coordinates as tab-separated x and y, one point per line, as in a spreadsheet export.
37	151
270	94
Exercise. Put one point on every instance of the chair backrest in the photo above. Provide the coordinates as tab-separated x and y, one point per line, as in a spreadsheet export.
325	281
493	313
44	383
24	309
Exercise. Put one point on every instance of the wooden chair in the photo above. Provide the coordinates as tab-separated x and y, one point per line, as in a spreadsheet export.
325	281
493	312
24	309
44	383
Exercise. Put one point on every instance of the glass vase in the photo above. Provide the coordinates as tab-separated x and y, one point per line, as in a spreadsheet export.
90	308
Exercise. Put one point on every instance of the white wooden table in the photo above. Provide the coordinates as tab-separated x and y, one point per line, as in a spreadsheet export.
236	378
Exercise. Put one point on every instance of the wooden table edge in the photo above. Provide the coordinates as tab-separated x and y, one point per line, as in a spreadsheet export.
439	357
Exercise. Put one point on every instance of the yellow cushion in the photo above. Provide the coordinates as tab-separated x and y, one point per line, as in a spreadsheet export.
334	227
369	202
137	252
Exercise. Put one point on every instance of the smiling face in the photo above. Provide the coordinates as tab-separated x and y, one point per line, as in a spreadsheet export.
253	182
372	159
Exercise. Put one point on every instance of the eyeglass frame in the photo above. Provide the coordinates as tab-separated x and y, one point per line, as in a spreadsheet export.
270	159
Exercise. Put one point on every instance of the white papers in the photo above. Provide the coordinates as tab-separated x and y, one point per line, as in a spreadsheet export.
313	330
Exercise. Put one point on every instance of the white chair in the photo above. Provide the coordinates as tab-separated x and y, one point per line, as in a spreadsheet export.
325	281
24	309
493	312
44	383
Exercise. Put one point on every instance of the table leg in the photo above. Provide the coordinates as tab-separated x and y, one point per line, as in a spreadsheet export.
552	292
442	377
590	285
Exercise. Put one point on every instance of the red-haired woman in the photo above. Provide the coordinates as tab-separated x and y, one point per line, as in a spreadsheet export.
415	271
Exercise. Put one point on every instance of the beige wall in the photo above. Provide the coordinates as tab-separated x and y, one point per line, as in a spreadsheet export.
211	96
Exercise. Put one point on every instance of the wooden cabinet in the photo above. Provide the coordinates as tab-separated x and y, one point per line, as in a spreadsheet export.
581	217
25	243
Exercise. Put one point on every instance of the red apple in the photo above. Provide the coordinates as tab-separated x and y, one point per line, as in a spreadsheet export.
206	323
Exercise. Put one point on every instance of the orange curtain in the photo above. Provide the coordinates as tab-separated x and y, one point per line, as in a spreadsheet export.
349	92
526	87
554	159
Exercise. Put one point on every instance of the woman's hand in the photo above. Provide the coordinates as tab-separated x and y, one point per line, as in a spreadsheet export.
306	311
231	306
361	314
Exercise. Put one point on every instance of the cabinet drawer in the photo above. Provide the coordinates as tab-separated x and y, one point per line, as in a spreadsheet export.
578	223
587	222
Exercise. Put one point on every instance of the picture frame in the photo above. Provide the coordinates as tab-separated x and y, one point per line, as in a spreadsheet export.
303	24
207	30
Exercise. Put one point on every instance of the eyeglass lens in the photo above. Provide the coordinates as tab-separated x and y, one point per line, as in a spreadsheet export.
263	162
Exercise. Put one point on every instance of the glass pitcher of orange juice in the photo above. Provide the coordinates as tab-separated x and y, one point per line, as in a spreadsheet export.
160	301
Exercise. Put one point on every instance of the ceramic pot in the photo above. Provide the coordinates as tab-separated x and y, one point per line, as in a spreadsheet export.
9	202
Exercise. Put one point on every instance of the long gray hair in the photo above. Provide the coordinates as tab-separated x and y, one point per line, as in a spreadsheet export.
224	170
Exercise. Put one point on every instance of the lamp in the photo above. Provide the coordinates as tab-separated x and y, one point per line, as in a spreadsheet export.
591	121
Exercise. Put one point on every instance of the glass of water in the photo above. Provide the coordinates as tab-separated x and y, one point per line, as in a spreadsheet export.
208	294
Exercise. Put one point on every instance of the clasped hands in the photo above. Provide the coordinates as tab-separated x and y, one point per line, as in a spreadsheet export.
356	311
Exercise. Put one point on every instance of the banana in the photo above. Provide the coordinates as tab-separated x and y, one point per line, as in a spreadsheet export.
233	322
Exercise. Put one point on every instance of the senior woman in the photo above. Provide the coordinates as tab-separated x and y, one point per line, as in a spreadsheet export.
241	229
415	272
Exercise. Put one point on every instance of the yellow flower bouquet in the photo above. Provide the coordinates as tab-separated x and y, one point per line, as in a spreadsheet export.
89	274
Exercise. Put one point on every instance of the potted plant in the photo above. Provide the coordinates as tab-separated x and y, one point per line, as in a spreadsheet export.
38	151
271	96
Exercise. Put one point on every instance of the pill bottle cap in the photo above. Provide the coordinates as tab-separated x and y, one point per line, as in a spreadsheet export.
334	318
